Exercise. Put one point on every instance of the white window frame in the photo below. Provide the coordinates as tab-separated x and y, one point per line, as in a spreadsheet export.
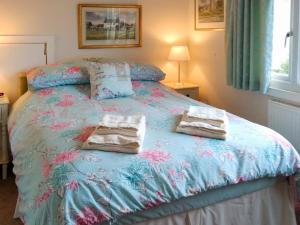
288	87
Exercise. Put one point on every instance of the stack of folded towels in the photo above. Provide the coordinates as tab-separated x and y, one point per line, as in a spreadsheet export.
118	133
205	122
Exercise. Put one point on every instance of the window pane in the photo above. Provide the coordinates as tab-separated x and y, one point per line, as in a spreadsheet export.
281	45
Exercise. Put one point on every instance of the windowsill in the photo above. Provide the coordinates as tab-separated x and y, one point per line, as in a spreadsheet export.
284	95
280	76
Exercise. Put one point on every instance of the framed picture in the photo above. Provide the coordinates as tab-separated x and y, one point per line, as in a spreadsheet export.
109	26
209	14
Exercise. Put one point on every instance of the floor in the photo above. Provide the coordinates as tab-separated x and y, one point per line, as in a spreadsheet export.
8	197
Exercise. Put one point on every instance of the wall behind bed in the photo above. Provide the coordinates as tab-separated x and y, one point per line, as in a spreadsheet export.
164	23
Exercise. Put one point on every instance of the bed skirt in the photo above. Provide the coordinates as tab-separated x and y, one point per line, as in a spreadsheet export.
270	206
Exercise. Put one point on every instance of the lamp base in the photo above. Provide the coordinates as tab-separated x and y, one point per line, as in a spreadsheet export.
179	84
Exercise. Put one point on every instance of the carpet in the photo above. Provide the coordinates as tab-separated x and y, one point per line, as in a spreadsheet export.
8	198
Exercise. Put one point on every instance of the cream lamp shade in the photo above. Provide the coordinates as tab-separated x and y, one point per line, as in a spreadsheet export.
179	53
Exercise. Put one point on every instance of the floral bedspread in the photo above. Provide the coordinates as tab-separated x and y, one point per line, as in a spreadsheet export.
61	184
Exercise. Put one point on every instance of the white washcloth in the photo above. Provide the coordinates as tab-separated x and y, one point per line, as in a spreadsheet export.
132	125
212	116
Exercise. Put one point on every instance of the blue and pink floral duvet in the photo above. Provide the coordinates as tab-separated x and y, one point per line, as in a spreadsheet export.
59	183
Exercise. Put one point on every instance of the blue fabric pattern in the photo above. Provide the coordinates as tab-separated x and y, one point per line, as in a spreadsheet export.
138	71
110	80
145	72
61	184
55	75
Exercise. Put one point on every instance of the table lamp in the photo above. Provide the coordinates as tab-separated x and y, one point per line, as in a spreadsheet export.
179	54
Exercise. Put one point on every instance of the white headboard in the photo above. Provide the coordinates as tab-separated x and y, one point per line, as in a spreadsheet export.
19	53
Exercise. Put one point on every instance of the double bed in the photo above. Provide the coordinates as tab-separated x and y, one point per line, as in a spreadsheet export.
175	179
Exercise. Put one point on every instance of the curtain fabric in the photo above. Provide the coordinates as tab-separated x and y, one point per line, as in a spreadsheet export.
249	35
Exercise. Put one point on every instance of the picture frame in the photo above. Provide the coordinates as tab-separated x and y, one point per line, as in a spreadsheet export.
209	14
109	26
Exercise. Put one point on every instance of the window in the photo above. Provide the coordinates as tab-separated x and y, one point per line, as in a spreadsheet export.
281	39
286	62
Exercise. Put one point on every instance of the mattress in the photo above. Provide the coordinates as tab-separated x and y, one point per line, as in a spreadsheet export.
59	183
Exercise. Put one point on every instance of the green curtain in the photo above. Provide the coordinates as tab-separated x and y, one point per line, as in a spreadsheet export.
249	35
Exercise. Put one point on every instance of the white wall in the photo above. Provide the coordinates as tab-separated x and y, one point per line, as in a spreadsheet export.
208	69
164	22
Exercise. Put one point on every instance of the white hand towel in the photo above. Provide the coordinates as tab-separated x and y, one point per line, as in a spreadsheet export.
213	116
124	125
115	143
200	133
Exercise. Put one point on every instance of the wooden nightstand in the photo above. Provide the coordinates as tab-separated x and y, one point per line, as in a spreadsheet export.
4	102
188	89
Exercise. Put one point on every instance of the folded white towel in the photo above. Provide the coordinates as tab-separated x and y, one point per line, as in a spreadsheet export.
124	125
212	116
118	133
200	125
201	133
204	122
115	143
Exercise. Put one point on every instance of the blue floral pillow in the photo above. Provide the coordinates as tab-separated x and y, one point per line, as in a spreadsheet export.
140	71
110	80
55	75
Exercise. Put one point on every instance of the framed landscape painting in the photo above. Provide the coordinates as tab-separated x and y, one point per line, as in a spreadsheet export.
109	26
209	14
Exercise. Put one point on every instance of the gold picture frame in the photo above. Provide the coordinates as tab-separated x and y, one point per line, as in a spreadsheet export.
109	26
213	14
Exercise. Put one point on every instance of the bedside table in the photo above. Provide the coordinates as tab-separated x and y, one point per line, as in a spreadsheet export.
4	102
188	89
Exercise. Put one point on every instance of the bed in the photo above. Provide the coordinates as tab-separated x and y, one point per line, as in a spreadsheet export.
176	179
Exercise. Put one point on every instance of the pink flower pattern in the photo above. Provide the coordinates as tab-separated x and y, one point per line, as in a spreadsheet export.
66	101
43	115
153	203
110	109
65	157
206	153
90	216
155	156
175	176
73	185
84	135
157	93
44	197
60	126
73	70
177	111
136	84
46	92
46	168
228	155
